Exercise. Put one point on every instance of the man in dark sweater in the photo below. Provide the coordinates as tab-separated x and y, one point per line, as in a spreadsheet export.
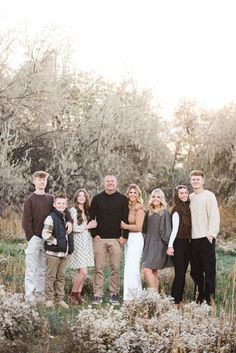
36	208
109	208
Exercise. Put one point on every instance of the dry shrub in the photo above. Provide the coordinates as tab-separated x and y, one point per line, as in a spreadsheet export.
151	324
21	327
3	263
228	222
227	247
14	347
95	330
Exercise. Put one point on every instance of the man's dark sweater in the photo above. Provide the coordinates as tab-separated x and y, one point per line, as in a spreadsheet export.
109	210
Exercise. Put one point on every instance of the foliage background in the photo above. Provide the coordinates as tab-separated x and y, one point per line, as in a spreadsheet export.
78	127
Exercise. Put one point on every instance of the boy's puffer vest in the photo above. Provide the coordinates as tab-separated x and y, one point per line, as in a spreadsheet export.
59	232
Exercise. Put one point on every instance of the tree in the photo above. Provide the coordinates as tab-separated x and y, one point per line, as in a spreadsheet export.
206	140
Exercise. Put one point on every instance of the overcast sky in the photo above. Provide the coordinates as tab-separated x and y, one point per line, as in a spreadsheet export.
178	48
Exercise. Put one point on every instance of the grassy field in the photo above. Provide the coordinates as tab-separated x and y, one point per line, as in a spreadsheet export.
12	277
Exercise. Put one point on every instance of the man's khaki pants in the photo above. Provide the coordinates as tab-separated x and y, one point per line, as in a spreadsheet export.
112	248
55	277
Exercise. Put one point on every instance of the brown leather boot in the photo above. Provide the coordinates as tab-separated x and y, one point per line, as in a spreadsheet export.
79	298
73	298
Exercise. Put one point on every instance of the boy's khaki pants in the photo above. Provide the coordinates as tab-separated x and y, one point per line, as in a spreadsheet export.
112	248
55	277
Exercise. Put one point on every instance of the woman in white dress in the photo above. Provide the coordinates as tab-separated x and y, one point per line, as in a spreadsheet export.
82	257
134	245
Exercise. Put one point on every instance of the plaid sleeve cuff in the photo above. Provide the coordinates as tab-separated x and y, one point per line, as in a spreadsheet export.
47	231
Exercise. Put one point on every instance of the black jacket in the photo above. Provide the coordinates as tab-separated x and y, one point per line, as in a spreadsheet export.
59	232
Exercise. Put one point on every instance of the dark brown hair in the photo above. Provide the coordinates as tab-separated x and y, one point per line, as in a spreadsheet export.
86	205
180	206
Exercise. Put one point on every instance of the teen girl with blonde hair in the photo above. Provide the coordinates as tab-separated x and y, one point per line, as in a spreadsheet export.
134	245
157	230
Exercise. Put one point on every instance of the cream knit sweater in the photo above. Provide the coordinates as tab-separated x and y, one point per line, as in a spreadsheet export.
205	214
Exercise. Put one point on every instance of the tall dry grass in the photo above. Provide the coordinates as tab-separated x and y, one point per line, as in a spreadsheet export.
10	224
228	222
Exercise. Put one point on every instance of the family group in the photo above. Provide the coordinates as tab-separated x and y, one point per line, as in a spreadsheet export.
153	237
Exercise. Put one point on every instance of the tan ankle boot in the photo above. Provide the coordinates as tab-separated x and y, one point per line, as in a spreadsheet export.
73	298
79	298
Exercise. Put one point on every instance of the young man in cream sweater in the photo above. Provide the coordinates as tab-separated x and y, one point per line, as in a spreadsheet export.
205	227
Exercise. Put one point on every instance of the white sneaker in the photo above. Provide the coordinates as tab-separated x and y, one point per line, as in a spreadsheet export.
63	304
31	302
50	304
40	299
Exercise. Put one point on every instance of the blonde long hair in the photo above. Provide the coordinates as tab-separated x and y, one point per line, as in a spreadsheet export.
163	201
139	192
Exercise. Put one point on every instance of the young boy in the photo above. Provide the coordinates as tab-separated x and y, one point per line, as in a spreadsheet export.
36	208
58	246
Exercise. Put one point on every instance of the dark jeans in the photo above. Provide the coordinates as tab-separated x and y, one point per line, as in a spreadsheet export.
181	261
203	268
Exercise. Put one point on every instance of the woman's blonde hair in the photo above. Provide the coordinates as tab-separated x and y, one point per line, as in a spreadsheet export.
163	200
137	189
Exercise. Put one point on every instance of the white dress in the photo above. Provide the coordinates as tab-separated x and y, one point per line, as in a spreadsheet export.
132	276
82	255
